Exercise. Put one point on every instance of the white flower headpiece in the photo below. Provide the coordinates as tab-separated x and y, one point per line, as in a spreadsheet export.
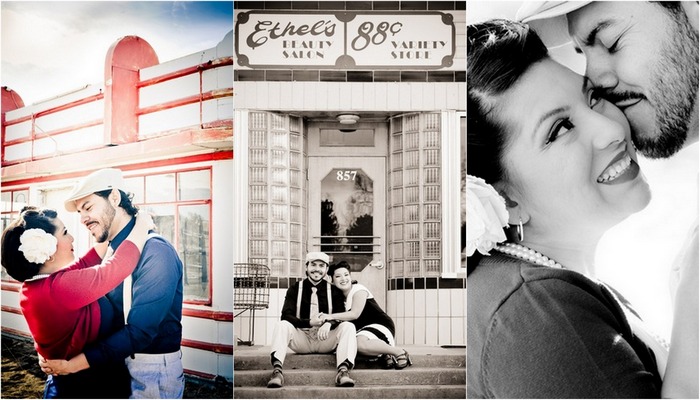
486	216
37	245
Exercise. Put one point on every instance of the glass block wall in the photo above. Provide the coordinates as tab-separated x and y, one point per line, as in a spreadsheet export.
277	185
414	196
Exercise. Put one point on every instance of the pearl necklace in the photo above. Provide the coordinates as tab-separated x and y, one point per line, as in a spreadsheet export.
37	277
527	254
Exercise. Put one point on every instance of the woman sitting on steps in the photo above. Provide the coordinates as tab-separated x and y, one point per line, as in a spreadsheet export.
375	329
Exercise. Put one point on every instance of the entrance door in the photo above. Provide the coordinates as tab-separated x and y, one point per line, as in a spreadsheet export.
347	216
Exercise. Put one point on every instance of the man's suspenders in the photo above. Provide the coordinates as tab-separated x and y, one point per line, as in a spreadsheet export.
328	295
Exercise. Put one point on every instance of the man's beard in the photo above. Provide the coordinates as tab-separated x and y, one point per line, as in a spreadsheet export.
107	219
673	94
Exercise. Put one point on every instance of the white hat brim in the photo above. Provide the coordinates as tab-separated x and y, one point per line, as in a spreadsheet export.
548	19
104	179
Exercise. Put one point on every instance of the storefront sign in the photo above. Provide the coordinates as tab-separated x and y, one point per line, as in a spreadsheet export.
343	40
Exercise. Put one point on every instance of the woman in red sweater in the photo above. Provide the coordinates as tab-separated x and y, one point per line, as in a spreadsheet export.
64	300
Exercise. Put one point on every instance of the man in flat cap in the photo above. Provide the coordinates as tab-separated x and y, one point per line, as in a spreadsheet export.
643	57
301	329
150	341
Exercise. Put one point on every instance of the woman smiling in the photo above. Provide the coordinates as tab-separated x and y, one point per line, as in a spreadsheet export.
563	170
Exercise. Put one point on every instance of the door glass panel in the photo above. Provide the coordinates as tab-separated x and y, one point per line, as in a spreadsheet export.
358	137
347	215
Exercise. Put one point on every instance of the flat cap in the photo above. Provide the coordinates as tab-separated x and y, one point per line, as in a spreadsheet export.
317	255
103	179
548	19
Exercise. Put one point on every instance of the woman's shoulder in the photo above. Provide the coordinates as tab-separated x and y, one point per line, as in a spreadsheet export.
503	270
499	279
357	288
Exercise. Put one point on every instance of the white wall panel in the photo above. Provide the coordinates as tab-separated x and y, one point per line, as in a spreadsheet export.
18	131
71	116
169	90
18	151
14	321
170	119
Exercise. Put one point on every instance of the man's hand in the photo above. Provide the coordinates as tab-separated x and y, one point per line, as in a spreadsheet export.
54	367
64	367
324	331
316	320
144	220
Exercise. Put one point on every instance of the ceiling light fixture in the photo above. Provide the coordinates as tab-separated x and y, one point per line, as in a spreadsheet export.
348	119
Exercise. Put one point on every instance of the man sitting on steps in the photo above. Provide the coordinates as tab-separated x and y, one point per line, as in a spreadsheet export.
301	329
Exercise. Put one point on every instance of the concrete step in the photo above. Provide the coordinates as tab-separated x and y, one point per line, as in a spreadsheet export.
357	392
258	358
363	377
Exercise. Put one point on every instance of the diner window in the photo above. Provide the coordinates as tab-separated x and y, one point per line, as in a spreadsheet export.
180	202
12	203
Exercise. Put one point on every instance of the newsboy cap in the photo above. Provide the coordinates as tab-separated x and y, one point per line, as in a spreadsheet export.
317	255
548	19
103	179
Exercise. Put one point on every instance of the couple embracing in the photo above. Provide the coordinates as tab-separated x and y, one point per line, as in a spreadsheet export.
96	336
552	165
319	317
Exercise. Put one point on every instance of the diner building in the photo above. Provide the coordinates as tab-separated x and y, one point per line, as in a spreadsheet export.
350	138
168	126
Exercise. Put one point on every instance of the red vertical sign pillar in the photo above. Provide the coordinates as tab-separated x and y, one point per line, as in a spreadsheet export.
10	101
124	60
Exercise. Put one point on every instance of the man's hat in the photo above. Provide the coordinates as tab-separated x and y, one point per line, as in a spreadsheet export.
548	19
317	255
103	179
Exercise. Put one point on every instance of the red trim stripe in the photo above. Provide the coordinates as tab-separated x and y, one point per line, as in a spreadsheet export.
208	314
200	374
12	310
16	332
10	286
221	62
220	316
216	156
185	100
57	132
62	107
213	347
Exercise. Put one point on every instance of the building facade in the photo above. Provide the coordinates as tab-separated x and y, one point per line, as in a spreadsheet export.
350	138
168	126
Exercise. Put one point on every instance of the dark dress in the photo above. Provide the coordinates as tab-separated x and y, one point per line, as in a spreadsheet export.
372	318
540	332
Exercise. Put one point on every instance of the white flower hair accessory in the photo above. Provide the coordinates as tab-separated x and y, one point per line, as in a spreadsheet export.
486	216
37	245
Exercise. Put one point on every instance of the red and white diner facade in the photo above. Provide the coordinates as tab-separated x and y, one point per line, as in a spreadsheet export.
168	126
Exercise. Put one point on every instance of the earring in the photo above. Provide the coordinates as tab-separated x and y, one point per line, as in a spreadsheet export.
521	230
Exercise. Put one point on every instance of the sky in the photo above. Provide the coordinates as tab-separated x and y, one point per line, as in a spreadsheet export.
50	48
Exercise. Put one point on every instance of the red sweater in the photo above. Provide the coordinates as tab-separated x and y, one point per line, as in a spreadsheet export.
62	310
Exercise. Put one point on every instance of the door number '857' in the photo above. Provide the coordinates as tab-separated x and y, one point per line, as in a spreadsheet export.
345	175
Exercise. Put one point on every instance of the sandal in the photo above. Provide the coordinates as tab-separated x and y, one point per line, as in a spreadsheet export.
388	361
403	360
